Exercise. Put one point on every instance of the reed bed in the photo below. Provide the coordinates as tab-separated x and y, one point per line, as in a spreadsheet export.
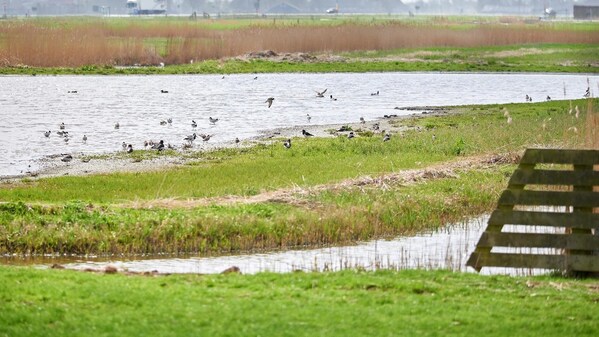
62	44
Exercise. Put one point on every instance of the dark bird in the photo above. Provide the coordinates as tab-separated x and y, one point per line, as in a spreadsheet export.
334	99
344	128
375	126
117	126
237	140
193	124
287	144
213	120
47	133
306	133
129	148
61	126
162	122
527	98
587	94
159	146
67	158
320	93
169	120
375	93
350	135
387	138
206	137
256	77
269	101
548	98
362	120
72	91
164	91
84	138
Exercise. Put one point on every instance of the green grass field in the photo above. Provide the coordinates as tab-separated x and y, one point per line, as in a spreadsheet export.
66	303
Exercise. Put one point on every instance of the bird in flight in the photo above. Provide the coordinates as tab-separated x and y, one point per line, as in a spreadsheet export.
320	93
269	101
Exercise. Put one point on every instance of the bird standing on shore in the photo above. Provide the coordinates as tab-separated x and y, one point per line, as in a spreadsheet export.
67	158
308	117
287	144
387	137
269	101
306	133
129	148
159	146
351	135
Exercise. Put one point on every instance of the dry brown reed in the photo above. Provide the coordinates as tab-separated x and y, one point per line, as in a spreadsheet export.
99	43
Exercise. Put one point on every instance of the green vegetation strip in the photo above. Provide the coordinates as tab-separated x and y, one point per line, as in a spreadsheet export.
96	214
350	303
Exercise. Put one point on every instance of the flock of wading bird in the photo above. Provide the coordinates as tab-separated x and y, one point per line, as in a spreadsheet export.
189	140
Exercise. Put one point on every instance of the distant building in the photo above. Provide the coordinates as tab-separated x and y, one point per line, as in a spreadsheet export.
586	12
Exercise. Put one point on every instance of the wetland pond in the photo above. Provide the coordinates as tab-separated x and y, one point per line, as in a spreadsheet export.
447	248
92	105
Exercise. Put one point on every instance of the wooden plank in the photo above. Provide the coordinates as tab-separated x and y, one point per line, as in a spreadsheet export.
554	177
549	198
586	242
577	220
561	262
560	156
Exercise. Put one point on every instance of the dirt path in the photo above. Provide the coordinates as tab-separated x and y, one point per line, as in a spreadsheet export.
293	195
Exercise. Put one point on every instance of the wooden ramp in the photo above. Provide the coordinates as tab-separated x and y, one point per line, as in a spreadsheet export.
545	218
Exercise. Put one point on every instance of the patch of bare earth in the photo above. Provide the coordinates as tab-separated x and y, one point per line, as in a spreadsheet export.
298	57
297	195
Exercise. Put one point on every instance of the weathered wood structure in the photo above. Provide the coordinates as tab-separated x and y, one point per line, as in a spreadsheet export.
551	189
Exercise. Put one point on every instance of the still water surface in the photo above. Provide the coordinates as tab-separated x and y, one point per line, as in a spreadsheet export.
31	105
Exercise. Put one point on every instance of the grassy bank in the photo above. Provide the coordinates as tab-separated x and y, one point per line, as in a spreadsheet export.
59	303
91	46
311	193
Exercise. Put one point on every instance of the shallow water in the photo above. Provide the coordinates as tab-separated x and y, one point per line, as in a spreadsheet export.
30	105
448	248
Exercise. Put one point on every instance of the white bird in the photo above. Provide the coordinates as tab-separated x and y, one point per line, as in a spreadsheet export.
61	126
124	145
129	148
287	144
509	119
351	135
577	112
